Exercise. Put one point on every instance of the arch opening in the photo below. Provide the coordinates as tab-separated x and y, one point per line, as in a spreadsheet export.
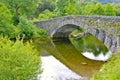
92	40
64	31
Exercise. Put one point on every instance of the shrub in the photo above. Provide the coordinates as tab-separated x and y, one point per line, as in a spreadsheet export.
29	29
46	15
18	60
117	6
110	70
110	10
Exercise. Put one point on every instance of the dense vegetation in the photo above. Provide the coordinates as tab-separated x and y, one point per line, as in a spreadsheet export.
18	60
15	19
110	70
74	7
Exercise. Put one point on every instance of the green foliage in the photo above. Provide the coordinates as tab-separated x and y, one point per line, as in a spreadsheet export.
88	9
18	60
29	30
110	70
46	15
117	6
25	27
60	6
72	9
76	31
6	26
45	4
99	9
69	7
21	7
109	10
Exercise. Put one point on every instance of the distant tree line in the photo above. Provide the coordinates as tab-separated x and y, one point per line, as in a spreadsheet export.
76	7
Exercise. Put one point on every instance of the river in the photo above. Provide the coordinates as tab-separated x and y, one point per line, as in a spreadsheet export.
73	59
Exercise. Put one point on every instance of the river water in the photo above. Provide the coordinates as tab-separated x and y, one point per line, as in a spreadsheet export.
73	59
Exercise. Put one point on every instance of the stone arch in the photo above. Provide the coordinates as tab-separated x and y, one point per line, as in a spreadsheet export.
69	22
64	30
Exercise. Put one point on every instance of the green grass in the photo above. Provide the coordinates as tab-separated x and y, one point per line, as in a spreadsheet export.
110	70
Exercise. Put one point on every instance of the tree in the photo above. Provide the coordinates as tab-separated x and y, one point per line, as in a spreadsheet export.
89	9
73	8
99	10
29	30
6	23
117	6
60	6
109	10
69	9
21	7
45	4
46	15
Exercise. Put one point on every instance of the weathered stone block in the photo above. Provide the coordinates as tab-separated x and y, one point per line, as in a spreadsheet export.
108	41
101	35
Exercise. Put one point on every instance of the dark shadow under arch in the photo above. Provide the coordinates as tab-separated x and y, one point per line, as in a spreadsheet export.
64	31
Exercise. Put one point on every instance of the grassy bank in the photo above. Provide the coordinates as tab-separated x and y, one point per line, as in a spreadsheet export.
110	70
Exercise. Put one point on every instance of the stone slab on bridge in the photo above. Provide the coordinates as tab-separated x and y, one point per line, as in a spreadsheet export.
105	28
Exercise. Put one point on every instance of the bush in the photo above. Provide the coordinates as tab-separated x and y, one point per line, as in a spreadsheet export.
110	70
117	6
29	30
46	15
18	60
110	10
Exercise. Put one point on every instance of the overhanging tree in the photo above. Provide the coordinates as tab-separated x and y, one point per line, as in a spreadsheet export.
21	7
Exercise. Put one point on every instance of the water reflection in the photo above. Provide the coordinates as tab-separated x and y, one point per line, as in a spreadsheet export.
66	53
76	61
91	48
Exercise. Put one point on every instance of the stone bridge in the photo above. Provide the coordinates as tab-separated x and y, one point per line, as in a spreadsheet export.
105	28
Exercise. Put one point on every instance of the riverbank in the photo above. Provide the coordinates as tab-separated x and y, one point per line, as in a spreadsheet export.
55	70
